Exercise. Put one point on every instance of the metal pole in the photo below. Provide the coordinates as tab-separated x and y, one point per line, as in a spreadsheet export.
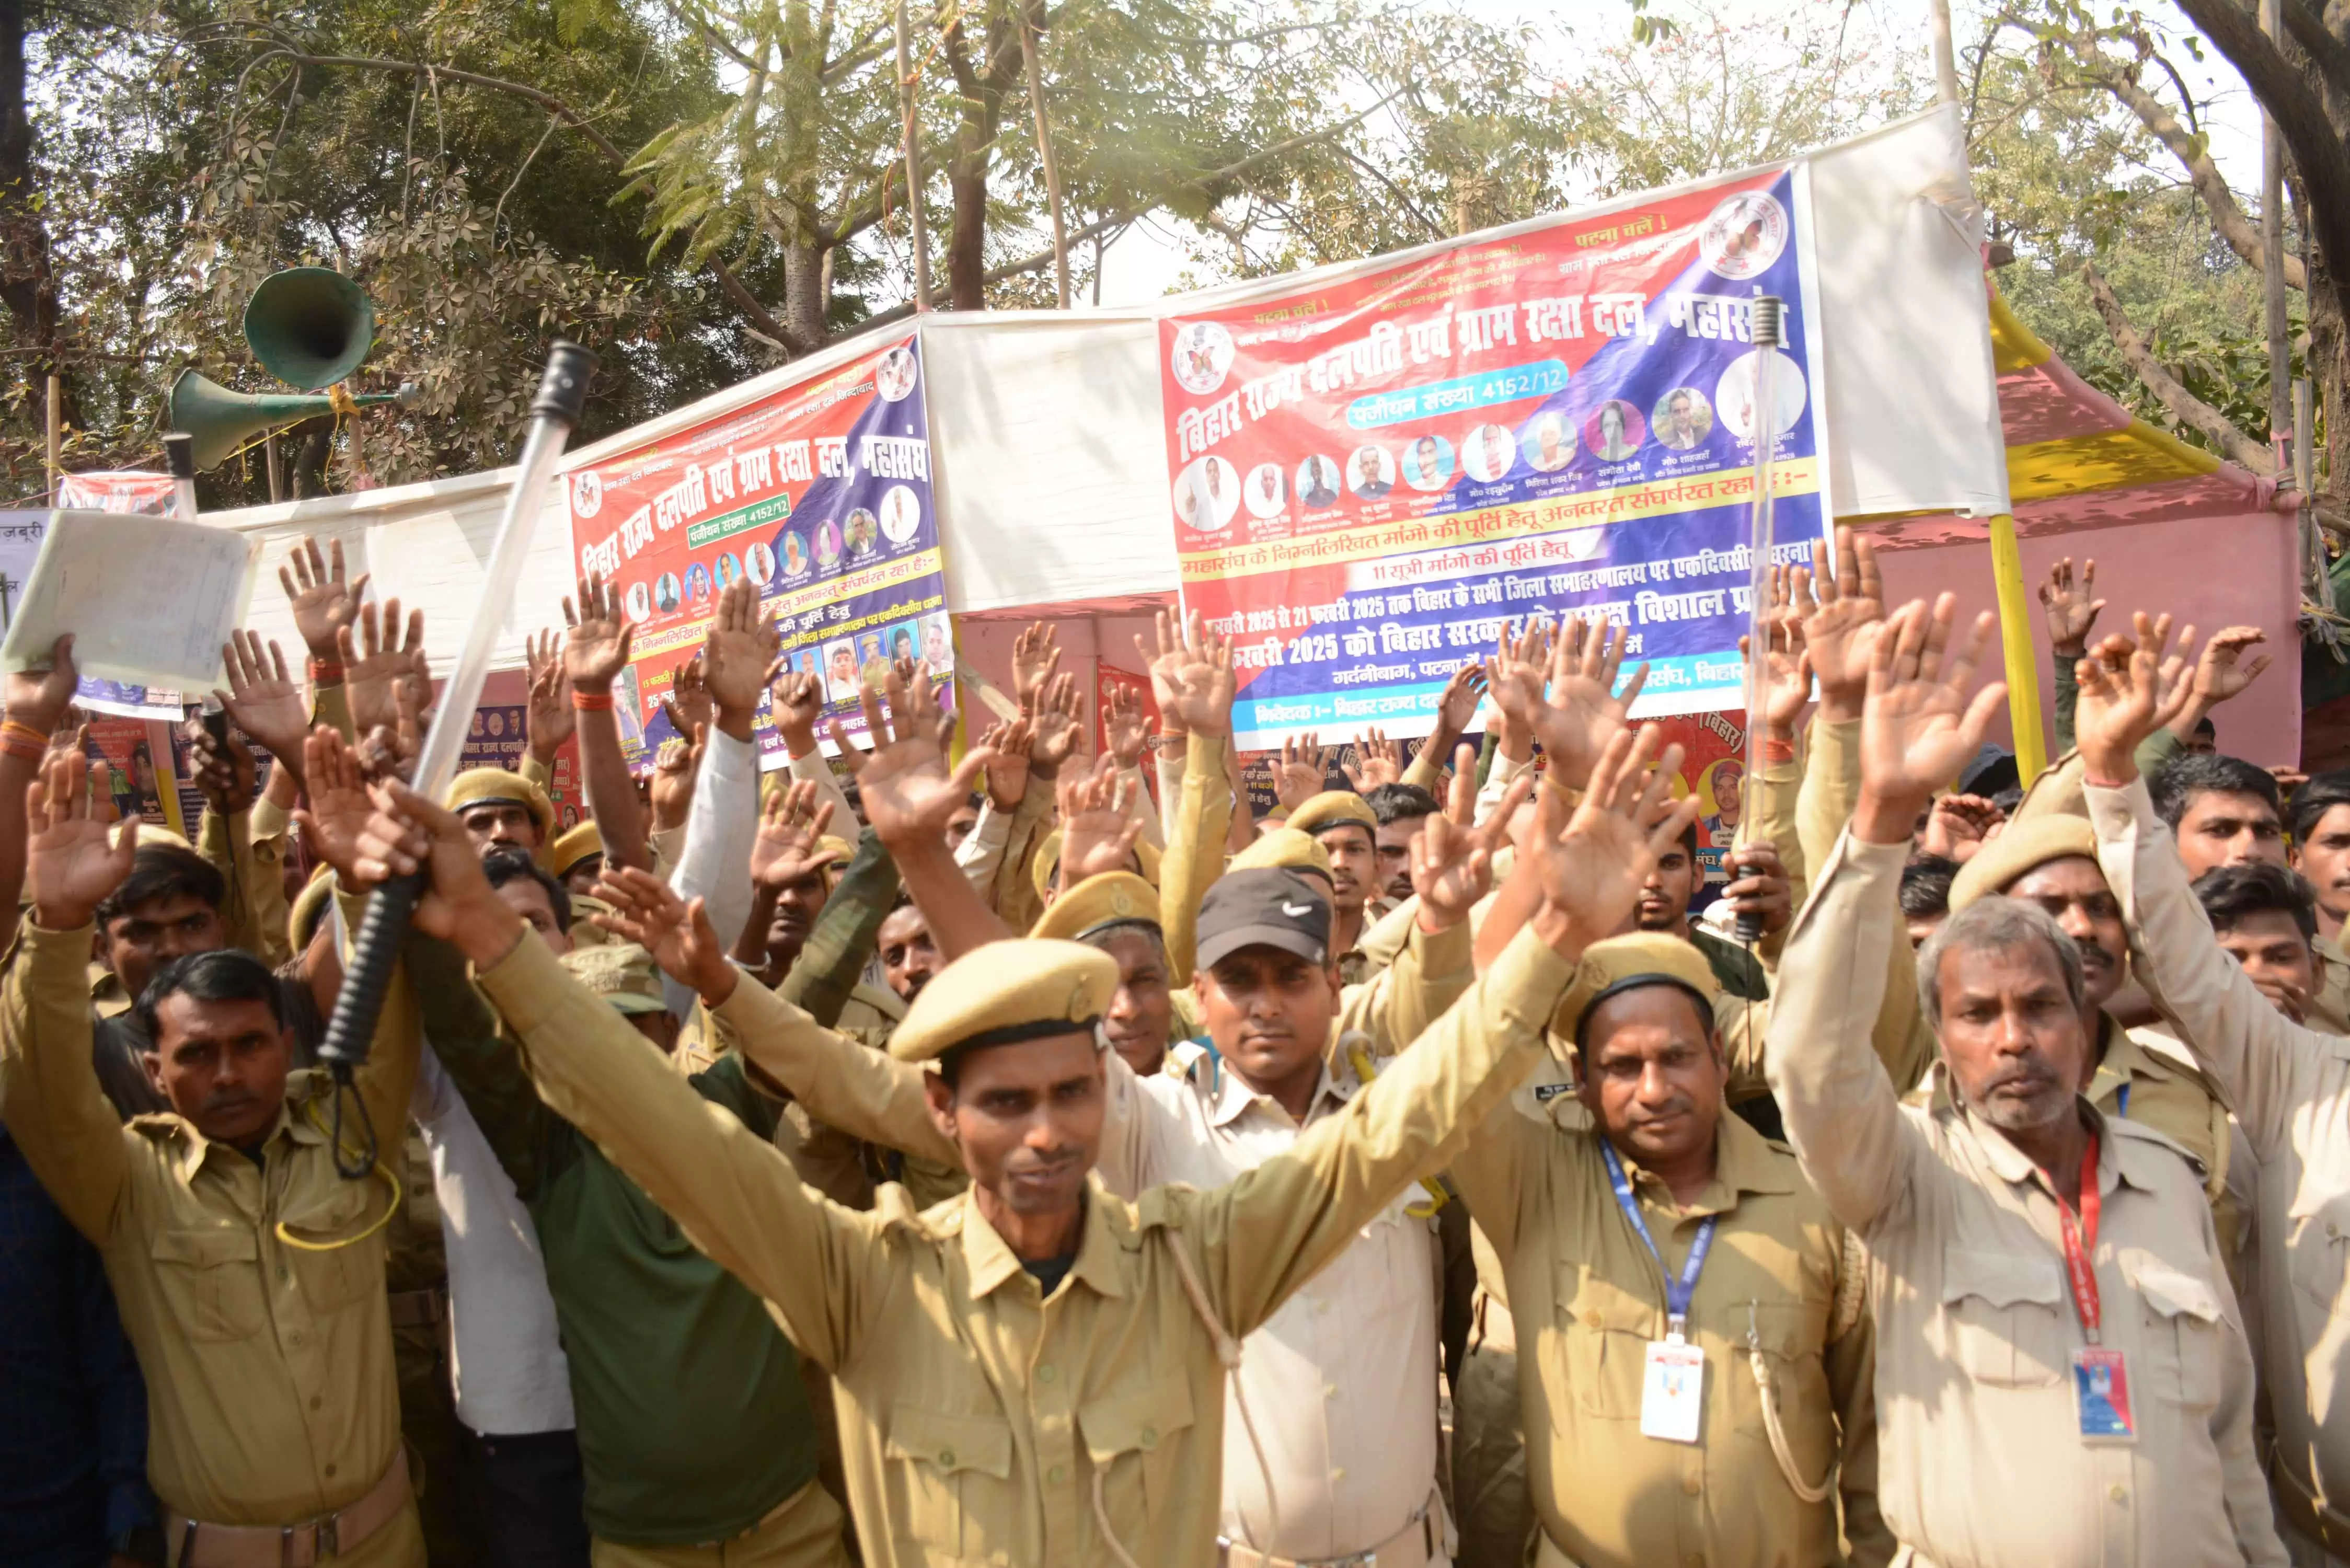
276	475
2282	429
2017	647
1044	155
910	149
57	439
1770	332
1946	56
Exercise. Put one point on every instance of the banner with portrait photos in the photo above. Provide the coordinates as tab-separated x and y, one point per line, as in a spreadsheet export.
821	494
1371	475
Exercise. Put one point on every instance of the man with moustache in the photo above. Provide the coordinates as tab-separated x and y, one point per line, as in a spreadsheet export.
2221	811
2051	862
2321	853
2062	1373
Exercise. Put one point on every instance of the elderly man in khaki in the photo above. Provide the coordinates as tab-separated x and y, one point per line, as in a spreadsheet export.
1647	1230
250	1274
2290	1085
2061	1376
1033	1372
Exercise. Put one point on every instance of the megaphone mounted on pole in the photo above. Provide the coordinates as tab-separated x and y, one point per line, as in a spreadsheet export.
222	420
309	327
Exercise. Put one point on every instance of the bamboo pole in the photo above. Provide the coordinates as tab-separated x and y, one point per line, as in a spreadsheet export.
2015	643
911	150
1946	55
57	439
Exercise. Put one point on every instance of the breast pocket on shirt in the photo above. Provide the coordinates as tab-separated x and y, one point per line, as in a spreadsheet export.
1789	1334
2317	1243
210	1282
2181	1328
339	1261
953	1474
2004	1317
1600	1347
1133	1440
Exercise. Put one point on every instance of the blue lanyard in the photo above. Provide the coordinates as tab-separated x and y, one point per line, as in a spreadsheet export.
1678	1291
2121	1104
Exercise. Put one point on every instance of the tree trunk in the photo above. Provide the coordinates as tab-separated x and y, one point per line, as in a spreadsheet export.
967	246
2329	375
28	286
803	268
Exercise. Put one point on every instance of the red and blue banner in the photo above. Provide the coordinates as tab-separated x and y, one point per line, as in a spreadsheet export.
1372	475
820	493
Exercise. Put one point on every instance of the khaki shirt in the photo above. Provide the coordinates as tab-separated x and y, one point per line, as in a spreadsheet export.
271	1396
1980	1458
1590	1298
2329	1009
2291	1089
979	1422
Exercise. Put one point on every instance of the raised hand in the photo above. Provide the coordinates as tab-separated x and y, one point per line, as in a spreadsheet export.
1584	707
1036	655
1841	615
2219	674
647	910
1377	761
786	850
688	707
389	751
1786	676
1007	767
796	702
670	788
263	699
597	649
1452	855
2130	687
903	783
325	605
339	804
1302	771
552	717
1191	676
1513	679
40	698
1592	864
1098	831
381	657
1922	721
737	652
71	862
1059	726
1959	825
1457	704
1126	725
2069	606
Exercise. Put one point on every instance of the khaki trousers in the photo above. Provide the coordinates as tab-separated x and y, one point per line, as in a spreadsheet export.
1494	1510
803	1532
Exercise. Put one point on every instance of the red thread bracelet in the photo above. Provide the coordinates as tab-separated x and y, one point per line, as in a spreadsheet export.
325	671
591	701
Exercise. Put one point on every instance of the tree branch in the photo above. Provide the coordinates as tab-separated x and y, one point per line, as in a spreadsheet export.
2184	406
728	283
2300	115
2317	40
2243	237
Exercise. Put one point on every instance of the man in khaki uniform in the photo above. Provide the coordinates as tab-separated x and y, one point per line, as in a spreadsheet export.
1034	1372
1641	1215
2061	1374
2052	861
249	1273
2291	1089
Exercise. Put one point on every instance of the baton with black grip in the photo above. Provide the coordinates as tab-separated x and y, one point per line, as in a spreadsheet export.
376	948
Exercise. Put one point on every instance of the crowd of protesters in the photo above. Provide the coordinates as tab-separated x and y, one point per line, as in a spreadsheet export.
986	1152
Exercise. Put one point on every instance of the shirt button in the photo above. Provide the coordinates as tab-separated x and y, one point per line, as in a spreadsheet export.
2120	1492
1056	1475
316	1401
1338	1475
1149	1436
1591	1320
330	1473
1695	1560
281	1273
1045	1373
946	1458
1329	1390
1689	1483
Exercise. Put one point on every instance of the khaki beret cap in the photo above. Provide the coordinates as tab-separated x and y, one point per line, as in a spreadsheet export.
1005	993
1048	860
1333	808
1634	958
2018	847
479	786
573	846
1284	847
1112	899
623	974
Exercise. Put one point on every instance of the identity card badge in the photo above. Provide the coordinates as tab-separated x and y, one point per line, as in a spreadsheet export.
1672	1391
2101	1396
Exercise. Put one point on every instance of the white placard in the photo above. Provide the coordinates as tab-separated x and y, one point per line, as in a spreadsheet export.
149	601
